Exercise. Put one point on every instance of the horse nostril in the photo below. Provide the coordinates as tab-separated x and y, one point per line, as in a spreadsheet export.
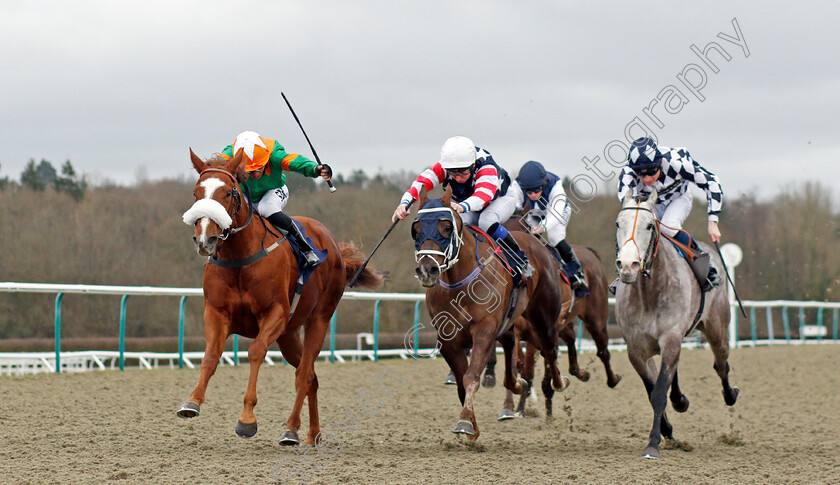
212	240
434	271
618	264
635	266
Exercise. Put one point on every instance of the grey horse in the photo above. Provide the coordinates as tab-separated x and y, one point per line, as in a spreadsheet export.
657	310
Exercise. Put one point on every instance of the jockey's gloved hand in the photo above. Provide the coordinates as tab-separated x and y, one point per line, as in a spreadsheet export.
325	171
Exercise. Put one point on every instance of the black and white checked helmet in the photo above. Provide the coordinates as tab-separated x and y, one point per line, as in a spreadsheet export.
644	154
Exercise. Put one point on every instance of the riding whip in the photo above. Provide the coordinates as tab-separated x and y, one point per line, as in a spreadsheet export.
743	312
332	188
362	267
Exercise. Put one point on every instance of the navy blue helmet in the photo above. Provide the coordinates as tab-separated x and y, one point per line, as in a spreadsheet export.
532	175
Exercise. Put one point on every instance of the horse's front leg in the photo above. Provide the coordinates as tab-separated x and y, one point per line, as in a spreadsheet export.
271	324
566	332
216	331
306	381
483	343
670	352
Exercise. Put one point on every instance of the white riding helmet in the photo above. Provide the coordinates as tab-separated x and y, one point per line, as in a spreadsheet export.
457	152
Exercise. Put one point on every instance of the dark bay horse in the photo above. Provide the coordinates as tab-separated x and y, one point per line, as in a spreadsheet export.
657	310
472	300
592	309
253	297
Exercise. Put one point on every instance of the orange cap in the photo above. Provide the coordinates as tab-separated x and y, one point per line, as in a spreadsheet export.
256	150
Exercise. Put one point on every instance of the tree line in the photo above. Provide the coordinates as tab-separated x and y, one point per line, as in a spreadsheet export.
133	235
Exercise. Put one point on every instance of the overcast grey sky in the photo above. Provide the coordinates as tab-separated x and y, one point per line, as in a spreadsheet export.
380	85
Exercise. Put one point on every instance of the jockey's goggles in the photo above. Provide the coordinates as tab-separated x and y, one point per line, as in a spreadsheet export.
461	171
534	190
647	171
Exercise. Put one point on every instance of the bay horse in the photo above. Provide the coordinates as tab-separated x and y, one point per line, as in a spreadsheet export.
249	291
592	309
657	310
472	299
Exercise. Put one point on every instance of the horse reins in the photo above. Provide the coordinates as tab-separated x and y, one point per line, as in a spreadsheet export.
652	247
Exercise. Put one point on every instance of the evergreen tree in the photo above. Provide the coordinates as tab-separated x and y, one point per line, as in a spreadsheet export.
30	177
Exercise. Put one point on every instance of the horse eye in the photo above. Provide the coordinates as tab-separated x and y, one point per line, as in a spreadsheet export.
415	230
446	229
229	192
650	226
617	224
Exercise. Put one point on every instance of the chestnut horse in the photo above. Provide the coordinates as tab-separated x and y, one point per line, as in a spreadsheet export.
472	299
253	295
592	309
659	308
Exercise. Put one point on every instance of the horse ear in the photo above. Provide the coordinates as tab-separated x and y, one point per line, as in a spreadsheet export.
651	200
234	164
447	196
197	162
628	199
423	197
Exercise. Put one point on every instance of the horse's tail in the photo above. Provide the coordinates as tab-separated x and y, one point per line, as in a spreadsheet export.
353	260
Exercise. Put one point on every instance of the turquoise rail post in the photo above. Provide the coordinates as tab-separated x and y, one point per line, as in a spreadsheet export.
770	334
752	325
181	333
235	349
417	326
802	324
819	324
122	332
836	311
786	323
58	331
332	339
376	331
579	334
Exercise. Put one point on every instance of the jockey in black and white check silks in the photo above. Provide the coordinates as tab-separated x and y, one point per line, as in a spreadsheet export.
677	170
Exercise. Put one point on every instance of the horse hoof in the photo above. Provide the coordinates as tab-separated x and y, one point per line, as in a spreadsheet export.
523	386
188	410
488	381
681	405
464	427
564	383
506	414
450	380
583	375
731	397
289	438
651	453
245	430
612	384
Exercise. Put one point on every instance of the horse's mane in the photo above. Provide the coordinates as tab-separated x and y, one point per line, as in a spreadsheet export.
641	197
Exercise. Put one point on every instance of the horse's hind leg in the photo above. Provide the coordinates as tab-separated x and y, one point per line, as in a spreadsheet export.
216	331
489	380
566	332
678	399
513	384
527	370
596	325
292	349
719	342
313	340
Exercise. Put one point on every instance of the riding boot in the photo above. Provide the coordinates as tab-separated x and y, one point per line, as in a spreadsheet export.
285	223
572	266
705	273
506	239
613	286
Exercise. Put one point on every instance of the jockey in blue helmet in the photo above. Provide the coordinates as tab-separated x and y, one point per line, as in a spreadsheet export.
669	171
549	214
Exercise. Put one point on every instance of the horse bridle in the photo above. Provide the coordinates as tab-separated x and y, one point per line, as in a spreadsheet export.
236	202
455	242
653	246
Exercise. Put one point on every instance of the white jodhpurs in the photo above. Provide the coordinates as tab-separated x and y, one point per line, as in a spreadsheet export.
273	201
673	214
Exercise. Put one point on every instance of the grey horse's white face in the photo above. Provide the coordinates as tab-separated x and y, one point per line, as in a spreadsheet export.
636	225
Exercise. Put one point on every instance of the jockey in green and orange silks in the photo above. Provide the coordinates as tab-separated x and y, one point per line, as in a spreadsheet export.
265	161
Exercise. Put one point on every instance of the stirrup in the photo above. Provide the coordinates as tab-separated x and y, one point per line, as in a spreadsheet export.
310	258
712	280
526	270
613	286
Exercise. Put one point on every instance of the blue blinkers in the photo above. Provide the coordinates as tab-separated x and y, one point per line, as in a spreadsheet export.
429	225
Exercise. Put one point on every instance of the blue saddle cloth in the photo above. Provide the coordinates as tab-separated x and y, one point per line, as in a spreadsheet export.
293	242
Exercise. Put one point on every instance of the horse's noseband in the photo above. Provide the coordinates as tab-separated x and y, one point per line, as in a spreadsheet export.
450	247
653	246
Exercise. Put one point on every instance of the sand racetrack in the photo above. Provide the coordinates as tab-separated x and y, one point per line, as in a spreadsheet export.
113	427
